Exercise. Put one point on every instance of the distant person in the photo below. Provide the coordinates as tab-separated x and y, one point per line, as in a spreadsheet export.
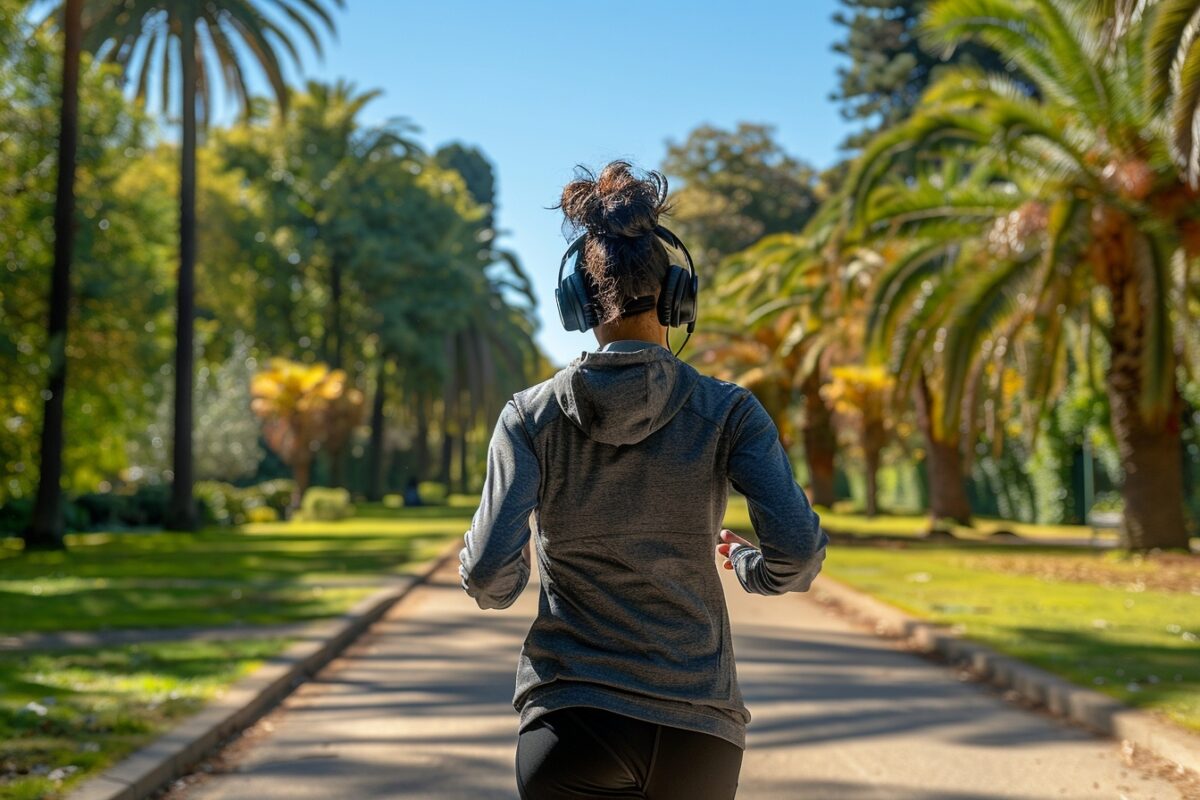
412	493
626	684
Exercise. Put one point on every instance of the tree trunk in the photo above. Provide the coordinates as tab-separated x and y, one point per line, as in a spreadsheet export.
46	526
302	474
449	409
182	513
463	476
820	443
947	483
422	455
1151	452
872	443
375	461
334	353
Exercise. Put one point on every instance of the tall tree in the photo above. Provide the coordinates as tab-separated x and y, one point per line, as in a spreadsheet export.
46	528
736	187
889	67
206	37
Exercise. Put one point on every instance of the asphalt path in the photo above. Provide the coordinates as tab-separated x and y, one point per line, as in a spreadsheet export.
421	707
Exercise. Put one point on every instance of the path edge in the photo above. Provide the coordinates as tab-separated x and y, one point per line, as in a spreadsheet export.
1086	708
174	754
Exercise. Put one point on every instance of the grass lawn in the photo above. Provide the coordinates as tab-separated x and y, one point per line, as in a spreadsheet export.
1126	626
65	715
267	573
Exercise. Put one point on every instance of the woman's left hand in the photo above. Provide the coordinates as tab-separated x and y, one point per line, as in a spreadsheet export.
730	542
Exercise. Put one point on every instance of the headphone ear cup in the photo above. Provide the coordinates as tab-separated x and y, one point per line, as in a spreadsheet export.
668	298
583	311
688	300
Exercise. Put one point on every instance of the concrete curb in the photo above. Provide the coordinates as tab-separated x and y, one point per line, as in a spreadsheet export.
1089	709
173	754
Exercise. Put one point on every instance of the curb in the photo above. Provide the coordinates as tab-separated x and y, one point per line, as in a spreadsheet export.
173	754
1089	709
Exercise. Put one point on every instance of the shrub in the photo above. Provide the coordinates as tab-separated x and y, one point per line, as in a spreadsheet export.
262	514
147	505
432	493
393	501
322	504
276	494
15	516
221	503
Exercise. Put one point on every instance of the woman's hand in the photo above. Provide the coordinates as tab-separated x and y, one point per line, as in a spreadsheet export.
730	542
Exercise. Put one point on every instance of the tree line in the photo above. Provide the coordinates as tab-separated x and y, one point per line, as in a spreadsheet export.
1002	272
298	232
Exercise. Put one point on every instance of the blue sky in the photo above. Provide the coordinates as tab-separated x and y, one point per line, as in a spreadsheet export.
541	86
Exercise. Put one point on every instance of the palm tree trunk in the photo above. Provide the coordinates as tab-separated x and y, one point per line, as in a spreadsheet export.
182	513
422	466
449	406
46	527
1151	453
872	443
820	443
375	462
334	353
463	478
947	483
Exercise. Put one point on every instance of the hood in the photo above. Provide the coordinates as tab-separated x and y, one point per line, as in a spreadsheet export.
620	397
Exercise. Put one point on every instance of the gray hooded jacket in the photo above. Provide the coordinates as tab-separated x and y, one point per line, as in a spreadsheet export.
622	462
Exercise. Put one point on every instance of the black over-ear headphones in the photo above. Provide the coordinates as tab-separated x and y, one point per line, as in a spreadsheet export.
676	301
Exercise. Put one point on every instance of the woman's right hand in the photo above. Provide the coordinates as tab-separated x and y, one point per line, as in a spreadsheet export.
730	542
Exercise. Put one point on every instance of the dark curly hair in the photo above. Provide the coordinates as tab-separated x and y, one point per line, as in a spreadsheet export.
623	258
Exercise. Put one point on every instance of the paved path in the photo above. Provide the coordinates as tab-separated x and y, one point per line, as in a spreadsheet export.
420	708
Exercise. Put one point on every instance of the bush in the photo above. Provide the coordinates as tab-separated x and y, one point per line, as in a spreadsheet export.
393	501
276	494
147	505
220	503
262	514
15	516
322	504
432	493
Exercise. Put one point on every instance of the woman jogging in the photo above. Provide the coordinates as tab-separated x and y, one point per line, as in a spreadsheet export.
622	462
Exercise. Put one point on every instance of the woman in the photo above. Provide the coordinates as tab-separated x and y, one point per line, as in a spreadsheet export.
626	683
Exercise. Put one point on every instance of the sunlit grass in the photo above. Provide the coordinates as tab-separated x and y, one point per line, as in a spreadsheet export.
65	715
1090	617
914	525
266	573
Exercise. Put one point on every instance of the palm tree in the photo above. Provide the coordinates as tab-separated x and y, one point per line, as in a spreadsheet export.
46	527
1170	30
210	37
1071	206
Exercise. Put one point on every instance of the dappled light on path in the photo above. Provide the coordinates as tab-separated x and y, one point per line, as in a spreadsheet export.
422	708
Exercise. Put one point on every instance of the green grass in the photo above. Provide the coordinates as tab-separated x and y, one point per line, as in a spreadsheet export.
1126	628
65	715
266	573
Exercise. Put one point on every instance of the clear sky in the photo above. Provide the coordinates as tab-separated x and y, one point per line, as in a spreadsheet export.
541	85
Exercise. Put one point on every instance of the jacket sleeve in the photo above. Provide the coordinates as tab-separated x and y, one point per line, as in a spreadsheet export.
492	565
791	542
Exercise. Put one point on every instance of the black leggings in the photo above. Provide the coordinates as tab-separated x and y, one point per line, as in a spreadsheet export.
582	752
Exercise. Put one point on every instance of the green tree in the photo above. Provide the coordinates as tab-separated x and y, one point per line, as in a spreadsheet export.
117	312
209	38
46	528
889	68
1071	206
737	187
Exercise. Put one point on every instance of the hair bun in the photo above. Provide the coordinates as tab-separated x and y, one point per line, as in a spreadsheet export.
616	202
